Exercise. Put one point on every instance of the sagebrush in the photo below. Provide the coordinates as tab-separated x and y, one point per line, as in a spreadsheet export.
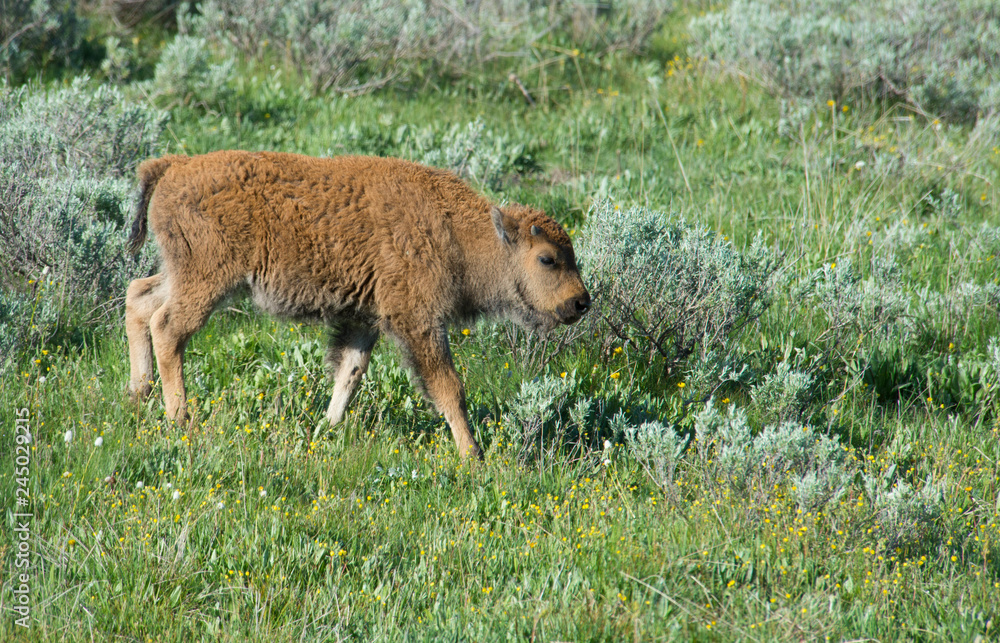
941	61
67	158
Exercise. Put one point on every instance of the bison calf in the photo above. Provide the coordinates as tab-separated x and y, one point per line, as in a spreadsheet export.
368	246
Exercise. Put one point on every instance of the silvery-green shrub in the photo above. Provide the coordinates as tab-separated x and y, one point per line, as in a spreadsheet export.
993	353
610	26
783	394
715	369
940	57
36	33
360	45
669	287
957	304
474	152
120	63
946	204
26	316
908	518
539	402
185	73
859	312
901	238
67	163
94	130
658	447
814	467
724	440
819	486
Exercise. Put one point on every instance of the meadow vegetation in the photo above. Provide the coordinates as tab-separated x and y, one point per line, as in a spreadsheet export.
779	421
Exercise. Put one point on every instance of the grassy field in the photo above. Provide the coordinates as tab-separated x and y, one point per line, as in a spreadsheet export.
827	471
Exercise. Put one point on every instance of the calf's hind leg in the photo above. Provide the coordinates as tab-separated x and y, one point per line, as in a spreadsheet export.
142	299
350	351
172	325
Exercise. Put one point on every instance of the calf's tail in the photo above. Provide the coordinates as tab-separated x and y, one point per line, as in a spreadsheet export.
150	172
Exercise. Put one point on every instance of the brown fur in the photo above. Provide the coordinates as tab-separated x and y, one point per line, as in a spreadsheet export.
366	245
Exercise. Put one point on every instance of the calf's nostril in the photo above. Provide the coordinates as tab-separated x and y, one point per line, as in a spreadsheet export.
582	305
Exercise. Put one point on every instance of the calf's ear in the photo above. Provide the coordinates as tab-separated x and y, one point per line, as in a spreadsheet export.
505	225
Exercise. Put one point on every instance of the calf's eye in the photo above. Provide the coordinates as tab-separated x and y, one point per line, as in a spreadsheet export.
548	261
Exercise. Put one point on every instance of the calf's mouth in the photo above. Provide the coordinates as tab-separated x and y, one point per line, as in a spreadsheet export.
574	308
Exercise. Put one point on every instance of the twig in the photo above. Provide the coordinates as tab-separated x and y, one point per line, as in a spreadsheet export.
20	31
457	16
517	81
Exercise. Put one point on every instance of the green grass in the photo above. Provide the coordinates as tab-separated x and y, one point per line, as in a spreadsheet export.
374	530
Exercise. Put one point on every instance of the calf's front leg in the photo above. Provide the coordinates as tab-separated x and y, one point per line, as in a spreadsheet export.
430	355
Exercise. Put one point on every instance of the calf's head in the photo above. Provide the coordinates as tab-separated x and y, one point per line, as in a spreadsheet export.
546	280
